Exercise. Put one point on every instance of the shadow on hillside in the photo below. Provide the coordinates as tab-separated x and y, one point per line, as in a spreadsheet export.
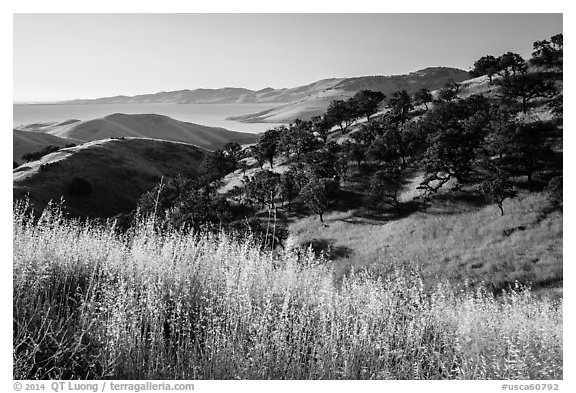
326	248
363	214
348	199
455	203
553	167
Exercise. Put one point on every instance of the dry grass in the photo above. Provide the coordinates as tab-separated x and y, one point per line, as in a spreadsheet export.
453	241
91	304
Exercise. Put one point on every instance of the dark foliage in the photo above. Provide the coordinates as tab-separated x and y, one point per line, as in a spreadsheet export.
39	154
423	97
263	188
400	104
269	145
368	102
79	187
219	164
511	64
455	130
486	65
317	194
385	186
343	113
548	54
298	139
557	106
526	87
498	188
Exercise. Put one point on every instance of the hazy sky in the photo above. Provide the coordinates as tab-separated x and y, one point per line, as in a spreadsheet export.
65	56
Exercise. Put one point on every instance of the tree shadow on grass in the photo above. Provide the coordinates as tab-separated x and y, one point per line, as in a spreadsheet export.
326	248
455	202
366	214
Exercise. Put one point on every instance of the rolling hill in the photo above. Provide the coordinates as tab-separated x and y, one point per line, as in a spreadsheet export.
118	172
24	142
454	235
145	126
299	102
226	95
317	102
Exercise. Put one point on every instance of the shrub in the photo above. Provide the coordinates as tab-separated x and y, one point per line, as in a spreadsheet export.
39	154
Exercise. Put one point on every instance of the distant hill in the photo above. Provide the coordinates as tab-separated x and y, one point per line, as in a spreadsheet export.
227	95
145	126
316	103
299	102
24	142
118	171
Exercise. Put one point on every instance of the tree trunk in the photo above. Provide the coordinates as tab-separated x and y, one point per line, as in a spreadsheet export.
501	209
321	218
524	106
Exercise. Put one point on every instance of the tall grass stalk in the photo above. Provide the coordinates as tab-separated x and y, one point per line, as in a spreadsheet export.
89	303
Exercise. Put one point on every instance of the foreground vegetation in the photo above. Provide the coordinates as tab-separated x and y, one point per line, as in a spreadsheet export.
90	303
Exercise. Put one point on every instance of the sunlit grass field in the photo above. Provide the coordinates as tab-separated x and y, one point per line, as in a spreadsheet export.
89	303
453	241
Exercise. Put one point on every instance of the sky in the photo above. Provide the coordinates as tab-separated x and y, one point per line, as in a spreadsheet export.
67	56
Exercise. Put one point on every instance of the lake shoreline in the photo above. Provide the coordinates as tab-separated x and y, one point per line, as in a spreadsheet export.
212	115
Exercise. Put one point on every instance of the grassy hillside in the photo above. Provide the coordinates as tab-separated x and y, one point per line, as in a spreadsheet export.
119	171
457	235
451	240
90	304
148	126
24	142
316	103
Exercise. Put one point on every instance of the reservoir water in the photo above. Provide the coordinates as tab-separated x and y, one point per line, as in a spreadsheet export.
206	114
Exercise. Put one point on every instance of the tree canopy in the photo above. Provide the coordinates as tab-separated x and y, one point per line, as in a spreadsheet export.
368	102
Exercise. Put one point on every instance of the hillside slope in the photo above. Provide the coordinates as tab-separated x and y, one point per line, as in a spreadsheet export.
316	103
451	241
299	102
227	95
24	142
119	171
148	126
458	235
